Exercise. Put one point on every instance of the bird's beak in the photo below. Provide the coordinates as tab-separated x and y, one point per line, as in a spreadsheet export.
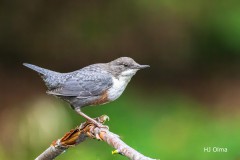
142	66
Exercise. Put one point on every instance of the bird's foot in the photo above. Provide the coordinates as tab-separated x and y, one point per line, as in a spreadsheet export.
102	126
99	121
96	121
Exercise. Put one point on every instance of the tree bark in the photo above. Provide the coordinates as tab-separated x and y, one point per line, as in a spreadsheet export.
88	129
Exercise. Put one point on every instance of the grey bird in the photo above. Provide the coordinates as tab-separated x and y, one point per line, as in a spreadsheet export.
92	85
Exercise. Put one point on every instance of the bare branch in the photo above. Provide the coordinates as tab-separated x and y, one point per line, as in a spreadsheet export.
51	153
88	129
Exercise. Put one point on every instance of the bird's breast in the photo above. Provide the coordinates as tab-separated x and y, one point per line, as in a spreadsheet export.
117	88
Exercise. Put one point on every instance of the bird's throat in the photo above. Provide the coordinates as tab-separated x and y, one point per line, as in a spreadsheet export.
118	87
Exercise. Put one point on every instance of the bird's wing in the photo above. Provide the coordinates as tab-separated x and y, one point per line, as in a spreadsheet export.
83	85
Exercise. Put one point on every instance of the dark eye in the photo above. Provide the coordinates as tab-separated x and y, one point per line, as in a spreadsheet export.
125	65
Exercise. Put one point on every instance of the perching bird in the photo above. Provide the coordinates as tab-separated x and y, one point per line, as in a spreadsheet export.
92	85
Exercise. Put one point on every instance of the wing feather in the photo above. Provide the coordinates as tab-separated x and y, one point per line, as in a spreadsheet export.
84	85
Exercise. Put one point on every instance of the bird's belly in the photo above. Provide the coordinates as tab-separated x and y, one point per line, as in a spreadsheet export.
117	89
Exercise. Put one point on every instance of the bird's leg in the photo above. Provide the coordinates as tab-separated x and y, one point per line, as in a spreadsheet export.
78	110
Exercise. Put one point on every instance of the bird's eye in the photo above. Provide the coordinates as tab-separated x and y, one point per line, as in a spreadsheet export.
125	65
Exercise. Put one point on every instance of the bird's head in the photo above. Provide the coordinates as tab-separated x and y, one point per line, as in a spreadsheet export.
125	67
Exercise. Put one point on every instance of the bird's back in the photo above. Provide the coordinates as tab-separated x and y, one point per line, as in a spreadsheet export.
87	86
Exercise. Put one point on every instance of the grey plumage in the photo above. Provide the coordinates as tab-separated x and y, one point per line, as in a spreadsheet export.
79	87
51	78
90	85
40	70
83	86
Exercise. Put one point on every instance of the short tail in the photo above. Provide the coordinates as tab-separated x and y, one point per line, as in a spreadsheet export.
40	70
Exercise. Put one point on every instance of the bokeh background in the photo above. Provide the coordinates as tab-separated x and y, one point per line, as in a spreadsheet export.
189	98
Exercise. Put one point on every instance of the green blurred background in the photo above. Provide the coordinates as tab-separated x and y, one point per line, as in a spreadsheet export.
189	98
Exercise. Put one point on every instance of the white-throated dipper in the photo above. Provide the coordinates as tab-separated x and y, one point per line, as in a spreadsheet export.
92	85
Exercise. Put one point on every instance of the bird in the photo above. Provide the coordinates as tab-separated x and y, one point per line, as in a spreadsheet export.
92	85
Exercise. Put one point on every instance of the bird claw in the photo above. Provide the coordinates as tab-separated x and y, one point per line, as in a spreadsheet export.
102	126
102	119
106	118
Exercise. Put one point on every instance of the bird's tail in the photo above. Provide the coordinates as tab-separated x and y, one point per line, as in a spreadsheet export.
49	77
40	70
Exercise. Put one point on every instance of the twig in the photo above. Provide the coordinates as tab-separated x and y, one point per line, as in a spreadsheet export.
87	129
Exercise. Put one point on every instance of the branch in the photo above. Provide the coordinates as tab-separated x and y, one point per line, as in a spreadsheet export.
88	129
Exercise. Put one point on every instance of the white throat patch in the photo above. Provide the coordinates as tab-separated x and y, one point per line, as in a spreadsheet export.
118	87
